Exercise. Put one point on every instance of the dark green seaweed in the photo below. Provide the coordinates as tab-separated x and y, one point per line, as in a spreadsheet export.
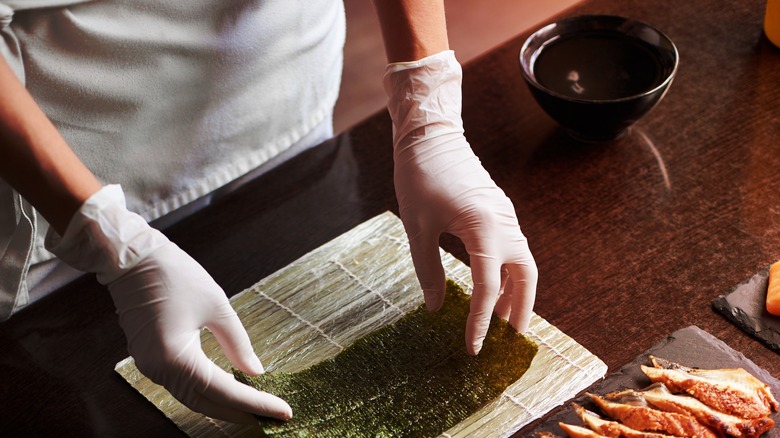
410	378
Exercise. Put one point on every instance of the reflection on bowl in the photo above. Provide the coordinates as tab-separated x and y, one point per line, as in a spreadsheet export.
598	74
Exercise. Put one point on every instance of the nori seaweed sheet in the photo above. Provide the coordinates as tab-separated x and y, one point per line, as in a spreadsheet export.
410	378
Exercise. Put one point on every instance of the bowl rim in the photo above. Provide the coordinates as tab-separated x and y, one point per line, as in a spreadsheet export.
531	79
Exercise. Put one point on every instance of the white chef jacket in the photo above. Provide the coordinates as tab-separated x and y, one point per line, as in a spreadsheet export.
171	99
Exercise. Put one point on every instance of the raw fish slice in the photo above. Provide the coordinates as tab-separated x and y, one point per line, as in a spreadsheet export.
609	428
635	413
658	395
579	431
731	390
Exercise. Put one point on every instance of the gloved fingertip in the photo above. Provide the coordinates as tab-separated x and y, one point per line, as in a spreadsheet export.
250	364
286	415
433	305
520	327
280	410
474	347
256	367
475	337
282	415
434	299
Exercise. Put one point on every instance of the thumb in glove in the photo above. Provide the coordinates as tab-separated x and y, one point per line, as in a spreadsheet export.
164	298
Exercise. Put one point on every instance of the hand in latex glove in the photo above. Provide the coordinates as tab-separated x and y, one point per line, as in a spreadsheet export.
164	298
442	187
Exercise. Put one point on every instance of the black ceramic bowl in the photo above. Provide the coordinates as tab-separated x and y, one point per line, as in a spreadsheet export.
598	74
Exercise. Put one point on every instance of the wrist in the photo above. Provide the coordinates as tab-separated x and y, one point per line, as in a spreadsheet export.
436	60
65	202
412	29
104	237
424	99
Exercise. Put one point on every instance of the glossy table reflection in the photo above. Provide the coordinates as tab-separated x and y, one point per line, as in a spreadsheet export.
633	239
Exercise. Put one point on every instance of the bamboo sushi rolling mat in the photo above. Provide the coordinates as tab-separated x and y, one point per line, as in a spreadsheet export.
362	280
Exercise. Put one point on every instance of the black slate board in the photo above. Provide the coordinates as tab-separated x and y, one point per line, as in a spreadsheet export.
745	306
692	347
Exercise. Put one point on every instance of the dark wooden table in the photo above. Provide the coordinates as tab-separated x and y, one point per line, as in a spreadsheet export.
633	239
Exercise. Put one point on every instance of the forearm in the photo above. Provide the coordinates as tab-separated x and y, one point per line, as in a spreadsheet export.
34	158
412	29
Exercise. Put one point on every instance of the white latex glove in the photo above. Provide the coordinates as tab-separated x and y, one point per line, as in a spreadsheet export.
164	298
441	186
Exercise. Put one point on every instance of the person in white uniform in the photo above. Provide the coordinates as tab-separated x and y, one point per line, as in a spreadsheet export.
115	113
